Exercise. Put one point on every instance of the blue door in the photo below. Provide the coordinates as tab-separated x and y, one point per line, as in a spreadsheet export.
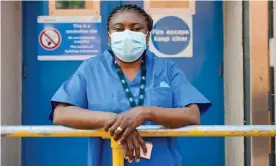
43	78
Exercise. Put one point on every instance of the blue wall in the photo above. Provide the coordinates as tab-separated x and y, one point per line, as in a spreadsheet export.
43	79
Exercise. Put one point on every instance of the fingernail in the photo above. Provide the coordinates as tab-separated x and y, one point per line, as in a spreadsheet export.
137	160
130	161
119	142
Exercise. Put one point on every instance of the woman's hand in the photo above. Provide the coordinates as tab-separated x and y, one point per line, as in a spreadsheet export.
126	122
134	143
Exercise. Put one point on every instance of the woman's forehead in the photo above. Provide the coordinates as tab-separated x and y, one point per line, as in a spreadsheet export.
129	16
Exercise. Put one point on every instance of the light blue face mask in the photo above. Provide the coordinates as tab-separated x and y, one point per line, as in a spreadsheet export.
128	46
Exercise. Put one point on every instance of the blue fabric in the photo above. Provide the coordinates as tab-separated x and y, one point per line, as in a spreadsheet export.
96	86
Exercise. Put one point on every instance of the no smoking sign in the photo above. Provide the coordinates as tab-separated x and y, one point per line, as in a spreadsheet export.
50	39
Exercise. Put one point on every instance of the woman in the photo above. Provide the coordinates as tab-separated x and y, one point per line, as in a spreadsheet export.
126	87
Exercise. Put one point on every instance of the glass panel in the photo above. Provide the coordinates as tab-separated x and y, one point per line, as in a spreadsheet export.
60	4
169	4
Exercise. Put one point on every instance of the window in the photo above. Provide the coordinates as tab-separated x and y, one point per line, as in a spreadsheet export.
172	7
170	4
74	8
70	4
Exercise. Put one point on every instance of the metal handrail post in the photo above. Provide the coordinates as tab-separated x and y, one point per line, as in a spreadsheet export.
117	153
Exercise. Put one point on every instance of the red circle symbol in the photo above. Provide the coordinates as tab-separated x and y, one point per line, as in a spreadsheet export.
50	39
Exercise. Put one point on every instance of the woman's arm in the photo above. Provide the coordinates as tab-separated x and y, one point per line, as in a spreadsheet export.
173	117
168	117
76	117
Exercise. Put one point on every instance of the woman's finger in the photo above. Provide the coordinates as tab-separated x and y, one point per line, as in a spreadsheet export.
109	124
125	150
117	133
142	144
126	133
137	148
130	150
116	126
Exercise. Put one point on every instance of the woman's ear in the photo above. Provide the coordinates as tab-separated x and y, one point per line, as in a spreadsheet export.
147	38
109	40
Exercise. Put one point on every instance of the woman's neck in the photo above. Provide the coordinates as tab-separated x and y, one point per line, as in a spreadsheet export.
130	69
129	65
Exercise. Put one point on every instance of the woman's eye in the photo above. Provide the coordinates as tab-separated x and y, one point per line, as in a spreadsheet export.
136	29
119	29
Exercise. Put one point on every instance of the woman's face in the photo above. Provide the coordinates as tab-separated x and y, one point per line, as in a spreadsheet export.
130	20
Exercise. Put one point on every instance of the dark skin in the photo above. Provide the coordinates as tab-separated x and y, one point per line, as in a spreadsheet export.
129	137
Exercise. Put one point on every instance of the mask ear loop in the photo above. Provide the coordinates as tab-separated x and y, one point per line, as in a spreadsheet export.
147	33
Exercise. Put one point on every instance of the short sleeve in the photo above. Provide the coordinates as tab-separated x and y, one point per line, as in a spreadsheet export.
184	93
72	91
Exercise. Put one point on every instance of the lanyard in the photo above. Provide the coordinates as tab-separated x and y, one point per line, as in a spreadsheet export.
127	88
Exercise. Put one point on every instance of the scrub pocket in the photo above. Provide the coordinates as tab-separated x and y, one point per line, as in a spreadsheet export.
161	97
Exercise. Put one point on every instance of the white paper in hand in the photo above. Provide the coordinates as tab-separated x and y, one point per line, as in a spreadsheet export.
149	150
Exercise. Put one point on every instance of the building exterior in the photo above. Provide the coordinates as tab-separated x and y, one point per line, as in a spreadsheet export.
232	48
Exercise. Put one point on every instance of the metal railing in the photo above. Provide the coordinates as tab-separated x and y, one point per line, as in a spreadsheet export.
145	131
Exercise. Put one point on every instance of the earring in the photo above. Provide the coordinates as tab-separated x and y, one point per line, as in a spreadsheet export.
108	44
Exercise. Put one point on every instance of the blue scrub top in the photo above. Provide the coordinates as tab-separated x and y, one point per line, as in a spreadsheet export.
96	86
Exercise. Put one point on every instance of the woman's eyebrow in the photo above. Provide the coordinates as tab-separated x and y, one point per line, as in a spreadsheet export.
137	24
128	21
118	24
